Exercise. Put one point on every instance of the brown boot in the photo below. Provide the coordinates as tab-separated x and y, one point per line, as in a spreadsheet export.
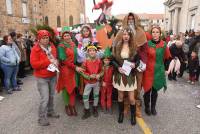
68	111
73	109
138	108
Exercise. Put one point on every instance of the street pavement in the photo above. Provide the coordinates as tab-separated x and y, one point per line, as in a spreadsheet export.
177	114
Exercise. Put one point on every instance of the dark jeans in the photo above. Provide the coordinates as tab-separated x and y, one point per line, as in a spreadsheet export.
150	97
10	74
21	72
1	77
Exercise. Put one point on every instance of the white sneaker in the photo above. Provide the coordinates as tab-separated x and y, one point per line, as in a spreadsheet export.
1	98
198	106
188	81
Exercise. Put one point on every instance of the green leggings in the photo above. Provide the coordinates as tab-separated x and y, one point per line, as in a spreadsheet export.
65	96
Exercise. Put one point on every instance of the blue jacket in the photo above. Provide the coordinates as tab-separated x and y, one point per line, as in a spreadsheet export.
8	55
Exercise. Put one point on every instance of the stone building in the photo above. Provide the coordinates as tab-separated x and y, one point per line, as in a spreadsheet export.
147	20
63	12
15	15
182	15
21	15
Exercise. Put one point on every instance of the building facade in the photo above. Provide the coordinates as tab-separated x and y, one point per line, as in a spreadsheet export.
15	15
63	12
21	15
182	15
147	20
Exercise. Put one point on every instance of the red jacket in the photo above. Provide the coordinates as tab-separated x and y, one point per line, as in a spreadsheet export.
40	62
148	36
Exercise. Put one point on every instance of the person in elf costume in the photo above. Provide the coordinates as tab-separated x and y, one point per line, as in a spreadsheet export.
83	40
133	22
154	75
92	74
106	88
67	55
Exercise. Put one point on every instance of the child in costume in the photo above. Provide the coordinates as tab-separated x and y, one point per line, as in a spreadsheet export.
92	74
193	64
83	39
106	89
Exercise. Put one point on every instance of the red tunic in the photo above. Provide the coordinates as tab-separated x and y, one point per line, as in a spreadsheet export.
67	70
148	76
92	67
106	91
108	75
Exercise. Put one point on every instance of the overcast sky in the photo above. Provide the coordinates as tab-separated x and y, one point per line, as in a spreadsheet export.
125	6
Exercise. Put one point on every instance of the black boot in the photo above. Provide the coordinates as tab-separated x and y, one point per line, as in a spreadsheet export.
146	102
121	112
170	76
86	114
133	114
174	76
95	111
154	97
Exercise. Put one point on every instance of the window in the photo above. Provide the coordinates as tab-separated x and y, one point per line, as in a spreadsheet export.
24	9
46	21
36	21
58	21
35	9
192	21
70	20
9	6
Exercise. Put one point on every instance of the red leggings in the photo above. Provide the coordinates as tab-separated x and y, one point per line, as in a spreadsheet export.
72	99
192	77
106	97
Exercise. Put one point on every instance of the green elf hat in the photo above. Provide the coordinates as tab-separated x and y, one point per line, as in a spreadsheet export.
66	29
107	53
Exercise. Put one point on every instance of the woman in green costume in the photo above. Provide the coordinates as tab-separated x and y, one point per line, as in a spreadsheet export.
154	75
67	55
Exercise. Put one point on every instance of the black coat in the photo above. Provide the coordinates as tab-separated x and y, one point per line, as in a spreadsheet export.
193	65
193	44
177	52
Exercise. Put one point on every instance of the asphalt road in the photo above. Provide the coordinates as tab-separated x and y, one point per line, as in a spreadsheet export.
177	114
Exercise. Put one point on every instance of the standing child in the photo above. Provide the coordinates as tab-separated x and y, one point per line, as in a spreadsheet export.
92	74
106	90
193	67
83	38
